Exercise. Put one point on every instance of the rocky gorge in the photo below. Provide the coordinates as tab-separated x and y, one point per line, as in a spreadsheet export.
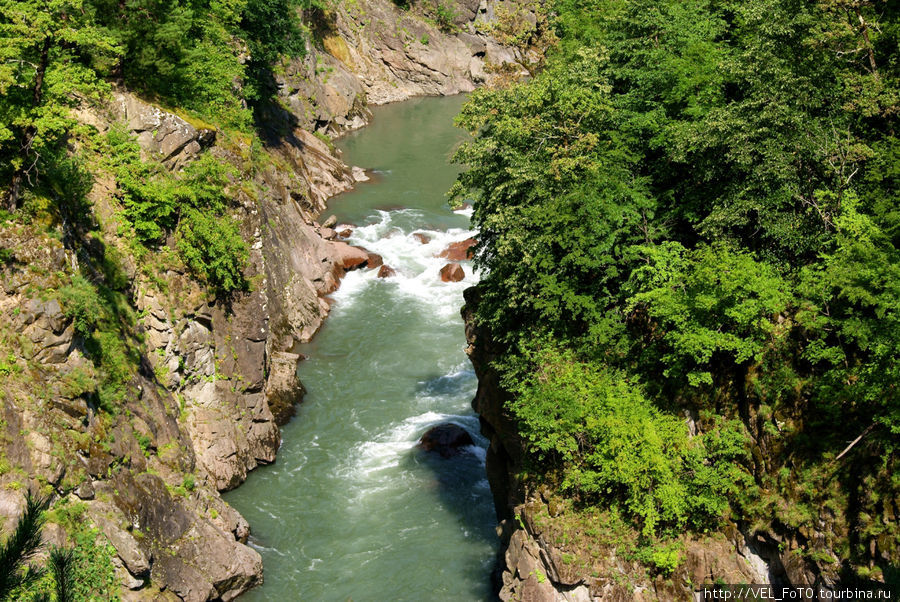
208	381
214	377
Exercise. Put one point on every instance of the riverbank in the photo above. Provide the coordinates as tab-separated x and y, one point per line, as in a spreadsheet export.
352	509
201	380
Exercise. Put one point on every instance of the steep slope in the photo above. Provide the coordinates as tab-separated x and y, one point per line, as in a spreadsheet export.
201	380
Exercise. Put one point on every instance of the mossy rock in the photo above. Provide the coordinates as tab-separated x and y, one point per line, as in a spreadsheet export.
337	47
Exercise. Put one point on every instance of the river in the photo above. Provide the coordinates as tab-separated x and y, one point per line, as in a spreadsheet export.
351	510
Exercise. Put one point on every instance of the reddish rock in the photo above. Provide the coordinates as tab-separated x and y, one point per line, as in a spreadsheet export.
445	439
349	257
375	260
345	233
452	272
459	251
386	271
464	207
422	238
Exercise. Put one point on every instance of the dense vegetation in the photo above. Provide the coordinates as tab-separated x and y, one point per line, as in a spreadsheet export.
208	61
692	207
212	59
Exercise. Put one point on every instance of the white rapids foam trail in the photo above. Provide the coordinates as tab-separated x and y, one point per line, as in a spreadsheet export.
387	450
468	211
418	279
417	265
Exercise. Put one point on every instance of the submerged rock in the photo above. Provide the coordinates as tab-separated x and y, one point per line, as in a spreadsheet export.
452	272
386	271
459	251
422	238
375	260
445	439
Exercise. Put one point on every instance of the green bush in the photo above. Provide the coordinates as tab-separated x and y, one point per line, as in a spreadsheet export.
712	300
191	204
82	304
212	247
444	15
597	427
101	316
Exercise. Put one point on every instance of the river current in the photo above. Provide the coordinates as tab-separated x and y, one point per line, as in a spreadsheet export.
351	510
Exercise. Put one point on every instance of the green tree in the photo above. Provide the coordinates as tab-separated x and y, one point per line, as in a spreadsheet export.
46	52
16	554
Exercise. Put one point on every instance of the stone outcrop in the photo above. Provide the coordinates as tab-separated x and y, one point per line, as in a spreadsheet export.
349	257
374	261
121	466
375	52
539	565
459	251
452	272
445	439
283	387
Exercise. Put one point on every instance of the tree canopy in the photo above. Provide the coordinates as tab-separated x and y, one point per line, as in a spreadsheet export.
692	207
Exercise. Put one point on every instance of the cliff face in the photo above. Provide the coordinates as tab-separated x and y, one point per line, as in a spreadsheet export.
213	378
553	551
213	374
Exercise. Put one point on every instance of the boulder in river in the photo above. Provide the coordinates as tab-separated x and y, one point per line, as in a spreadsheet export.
459	251
422	238
345	233
375	260
452	272
445	439
349	257
386	271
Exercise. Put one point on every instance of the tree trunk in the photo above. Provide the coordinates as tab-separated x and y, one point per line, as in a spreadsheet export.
869	48
15	189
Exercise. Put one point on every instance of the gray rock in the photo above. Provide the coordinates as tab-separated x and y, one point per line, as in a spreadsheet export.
283	388
172	138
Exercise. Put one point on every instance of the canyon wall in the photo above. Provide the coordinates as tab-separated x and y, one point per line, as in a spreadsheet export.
216	377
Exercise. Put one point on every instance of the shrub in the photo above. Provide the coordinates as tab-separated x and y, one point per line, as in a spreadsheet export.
212	247
191	204
609	442
444	15
81	303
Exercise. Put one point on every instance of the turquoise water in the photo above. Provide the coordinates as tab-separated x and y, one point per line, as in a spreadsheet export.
351	510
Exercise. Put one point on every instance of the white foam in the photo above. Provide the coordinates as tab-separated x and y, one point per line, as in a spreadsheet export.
417	265
478	452
417	279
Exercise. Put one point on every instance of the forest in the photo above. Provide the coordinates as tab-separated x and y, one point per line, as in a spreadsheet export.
689	237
